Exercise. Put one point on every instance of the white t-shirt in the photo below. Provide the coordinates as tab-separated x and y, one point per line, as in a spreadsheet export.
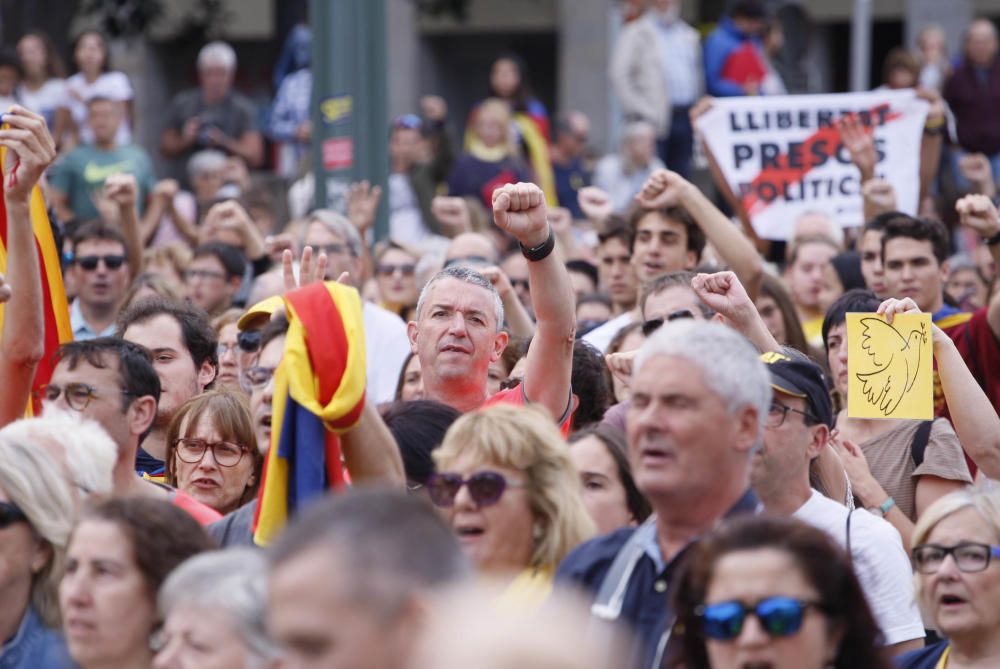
46	100
880	564
111	85
386	347
601	336
406	225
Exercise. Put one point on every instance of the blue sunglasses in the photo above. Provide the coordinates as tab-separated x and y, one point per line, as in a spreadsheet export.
779	616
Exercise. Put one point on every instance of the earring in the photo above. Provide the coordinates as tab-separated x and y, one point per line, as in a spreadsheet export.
538	531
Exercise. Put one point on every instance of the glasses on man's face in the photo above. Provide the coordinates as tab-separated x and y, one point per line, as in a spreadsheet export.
778	412
225	453
485	488
969	557
89	263
255	378
203	275
78	395
778	616
10	513
332	249
408	269
654	324
248	341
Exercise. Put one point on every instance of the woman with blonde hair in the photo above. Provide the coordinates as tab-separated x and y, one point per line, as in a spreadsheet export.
511	494
37	513
491	159
956	557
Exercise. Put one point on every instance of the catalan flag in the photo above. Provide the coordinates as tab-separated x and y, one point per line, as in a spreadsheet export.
319	392
55	310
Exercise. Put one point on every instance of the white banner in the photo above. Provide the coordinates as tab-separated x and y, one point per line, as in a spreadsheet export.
782	156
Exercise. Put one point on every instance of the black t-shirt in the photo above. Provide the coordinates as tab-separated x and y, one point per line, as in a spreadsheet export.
234	115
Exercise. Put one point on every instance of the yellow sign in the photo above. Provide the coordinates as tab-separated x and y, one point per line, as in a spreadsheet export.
890	367
337	109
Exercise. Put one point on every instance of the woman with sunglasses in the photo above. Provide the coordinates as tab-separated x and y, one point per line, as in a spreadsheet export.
117	558
776	593
509	491
211	451
36	515
396	278
956	556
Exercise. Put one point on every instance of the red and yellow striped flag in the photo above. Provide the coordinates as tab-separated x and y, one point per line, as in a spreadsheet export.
319	392
55	310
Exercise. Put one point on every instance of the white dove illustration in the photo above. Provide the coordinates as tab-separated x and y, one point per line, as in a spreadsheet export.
896	360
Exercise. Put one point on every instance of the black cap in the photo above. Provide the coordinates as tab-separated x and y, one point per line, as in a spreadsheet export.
793	373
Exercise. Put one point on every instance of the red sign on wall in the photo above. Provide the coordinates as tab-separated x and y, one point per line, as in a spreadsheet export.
338	153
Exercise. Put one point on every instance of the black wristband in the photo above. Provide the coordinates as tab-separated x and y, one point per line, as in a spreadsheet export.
541	251
992	241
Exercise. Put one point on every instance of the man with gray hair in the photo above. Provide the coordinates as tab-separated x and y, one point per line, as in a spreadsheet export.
213	116
332	234
350	579
699	398
457	333
622	174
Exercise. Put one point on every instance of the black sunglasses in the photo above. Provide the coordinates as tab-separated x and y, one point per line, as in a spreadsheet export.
10	514
409	269
654	324
89	263
485	488
249	341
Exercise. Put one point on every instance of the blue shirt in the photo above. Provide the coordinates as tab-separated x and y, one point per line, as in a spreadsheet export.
923	658
646	604
35	646
81	328
569	180
679	59
944	312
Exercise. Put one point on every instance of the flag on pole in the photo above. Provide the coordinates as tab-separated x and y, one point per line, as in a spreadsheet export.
319	392
55	310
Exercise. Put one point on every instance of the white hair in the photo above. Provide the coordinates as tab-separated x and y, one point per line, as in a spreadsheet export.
233	581
336	223
32	480
465	275
205	161
217	53
86	449
730	364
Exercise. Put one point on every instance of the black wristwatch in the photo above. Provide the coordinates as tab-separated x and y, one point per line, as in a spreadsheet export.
542	251
992	241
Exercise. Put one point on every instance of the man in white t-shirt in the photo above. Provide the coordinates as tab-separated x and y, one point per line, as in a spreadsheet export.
795	432
386	343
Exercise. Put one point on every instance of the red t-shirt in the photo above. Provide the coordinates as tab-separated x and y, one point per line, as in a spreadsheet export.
516	396
980	349
205	515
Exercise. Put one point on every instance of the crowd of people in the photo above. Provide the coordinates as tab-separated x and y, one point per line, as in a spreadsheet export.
597	422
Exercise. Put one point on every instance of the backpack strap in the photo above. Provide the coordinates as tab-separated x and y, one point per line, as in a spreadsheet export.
919	444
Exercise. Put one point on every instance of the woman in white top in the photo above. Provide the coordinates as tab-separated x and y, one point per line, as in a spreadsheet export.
94	78
43	88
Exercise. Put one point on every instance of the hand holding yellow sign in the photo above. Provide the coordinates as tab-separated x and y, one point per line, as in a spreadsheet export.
890	367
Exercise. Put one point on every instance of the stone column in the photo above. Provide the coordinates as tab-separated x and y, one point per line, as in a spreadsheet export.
584	53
